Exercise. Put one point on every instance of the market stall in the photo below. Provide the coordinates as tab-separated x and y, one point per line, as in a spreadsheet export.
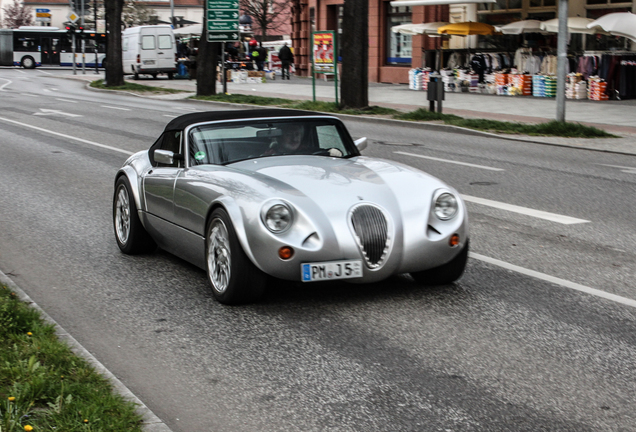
594	75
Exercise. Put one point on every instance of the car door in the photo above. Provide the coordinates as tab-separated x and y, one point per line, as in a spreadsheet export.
159	182
165	51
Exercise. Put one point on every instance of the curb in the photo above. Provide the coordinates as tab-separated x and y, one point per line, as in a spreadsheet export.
150	422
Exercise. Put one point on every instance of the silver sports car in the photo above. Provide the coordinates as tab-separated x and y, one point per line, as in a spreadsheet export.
250	195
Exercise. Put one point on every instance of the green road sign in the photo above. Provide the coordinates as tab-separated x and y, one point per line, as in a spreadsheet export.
223	15
223	4
223	25
223	36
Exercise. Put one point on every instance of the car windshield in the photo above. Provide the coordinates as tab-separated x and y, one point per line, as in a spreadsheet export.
225	143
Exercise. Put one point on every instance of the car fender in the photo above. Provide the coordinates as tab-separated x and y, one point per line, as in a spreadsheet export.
135	184
236	216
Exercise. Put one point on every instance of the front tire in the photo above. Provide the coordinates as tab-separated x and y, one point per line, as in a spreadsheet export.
446	273
234	278
131	235
27	62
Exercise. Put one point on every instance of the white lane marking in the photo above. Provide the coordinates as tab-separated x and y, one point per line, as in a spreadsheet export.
116	108
555	280
126	152
66	100
450	161
566	220
28	94
6	84
170	115
189	109
625	169
46	112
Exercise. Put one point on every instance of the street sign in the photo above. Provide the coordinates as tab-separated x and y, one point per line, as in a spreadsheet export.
42	10
223	36
72	16
42	15
222	15
222	25
223	4
222	20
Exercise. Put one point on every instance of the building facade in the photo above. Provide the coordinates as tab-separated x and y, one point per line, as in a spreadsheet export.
392	55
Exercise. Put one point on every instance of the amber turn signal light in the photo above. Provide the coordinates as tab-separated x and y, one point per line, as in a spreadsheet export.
454	240
285	252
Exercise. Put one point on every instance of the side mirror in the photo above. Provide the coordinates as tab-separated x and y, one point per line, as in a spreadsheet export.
166	157
361	143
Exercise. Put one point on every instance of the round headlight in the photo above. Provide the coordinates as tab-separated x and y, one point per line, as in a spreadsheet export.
278	218
446	206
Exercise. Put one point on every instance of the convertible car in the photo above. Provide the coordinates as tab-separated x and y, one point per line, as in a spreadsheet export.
255	194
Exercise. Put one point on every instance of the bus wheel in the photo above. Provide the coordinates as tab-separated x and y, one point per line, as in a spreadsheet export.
27	62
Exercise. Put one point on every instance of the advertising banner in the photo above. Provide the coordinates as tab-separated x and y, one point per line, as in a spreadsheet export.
323	52
324	58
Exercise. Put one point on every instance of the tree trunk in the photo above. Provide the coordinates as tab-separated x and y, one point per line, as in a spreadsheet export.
206	65
355	54
114	70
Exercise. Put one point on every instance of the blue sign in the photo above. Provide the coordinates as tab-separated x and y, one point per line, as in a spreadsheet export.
43	10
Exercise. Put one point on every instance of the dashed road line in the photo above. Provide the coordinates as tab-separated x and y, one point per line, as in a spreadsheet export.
555	280
450	161
553	217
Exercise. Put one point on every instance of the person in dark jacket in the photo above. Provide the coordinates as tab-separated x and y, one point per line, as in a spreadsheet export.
286	58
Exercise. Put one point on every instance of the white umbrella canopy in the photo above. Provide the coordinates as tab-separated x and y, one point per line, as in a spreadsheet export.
519	27
415	29
575	25
617	24
195	29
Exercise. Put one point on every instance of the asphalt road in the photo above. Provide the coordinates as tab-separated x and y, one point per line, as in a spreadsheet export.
501	350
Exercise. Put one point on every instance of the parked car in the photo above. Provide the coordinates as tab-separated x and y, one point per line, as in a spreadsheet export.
250	195
149	50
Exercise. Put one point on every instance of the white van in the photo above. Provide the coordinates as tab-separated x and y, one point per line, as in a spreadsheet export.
149	50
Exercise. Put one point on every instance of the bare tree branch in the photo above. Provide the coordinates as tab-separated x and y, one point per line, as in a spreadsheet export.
266	14
16	15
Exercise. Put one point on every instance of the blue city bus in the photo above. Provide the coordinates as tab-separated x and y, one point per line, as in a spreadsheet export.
33	46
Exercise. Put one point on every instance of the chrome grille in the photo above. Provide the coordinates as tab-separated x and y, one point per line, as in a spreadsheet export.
371	229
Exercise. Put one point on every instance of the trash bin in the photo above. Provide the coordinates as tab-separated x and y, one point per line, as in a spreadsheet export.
435	92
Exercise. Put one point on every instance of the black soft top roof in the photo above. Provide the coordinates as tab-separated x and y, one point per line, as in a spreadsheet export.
181	122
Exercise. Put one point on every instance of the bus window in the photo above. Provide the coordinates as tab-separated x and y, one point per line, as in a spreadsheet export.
25	44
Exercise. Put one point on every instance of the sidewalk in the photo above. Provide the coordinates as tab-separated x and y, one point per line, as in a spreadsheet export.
616	117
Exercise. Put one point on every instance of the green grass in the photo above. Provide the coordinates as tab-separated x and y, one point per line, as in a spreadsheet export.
139	88
332	107
553	128
44	386
245	99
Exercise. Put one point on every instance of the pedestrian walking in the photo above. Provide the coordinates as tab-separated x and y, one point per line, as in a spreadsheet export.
286	58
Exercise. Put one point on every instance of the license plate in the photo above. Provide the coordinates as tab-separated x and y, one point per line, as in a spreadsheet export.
148	62
322	271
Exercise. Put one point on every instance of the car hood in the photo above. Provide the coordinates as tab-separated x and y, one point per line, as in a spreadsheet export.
332	182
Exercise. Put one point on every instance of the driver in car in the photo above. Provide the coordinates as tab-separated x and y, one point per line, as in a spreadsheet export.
291	142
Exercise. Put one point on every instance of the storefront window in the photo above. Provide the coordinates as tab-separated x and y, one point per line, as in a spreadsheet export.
398	49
